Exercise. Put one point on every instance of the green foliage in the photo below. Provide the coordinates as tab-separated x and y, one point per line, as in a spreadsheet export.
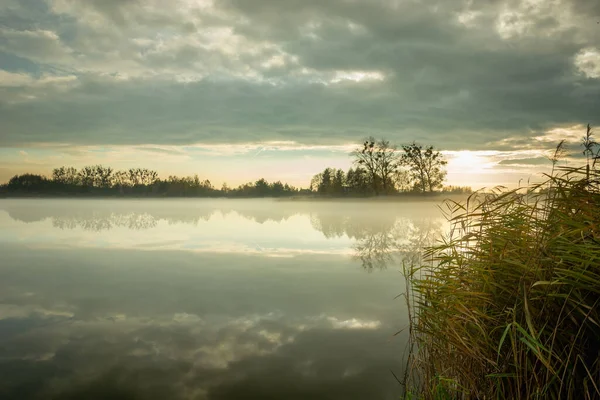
509	305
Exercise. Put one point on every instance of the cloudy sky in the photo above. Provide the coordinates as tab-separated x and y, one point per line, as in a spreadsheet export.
238	89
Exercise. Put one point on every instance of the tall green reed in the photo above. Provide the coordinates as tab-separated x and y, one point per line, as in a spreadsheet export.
507	305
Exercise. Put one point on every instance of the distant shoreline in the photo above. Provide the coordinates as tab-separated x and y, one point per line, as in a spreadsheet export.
391	199
408	197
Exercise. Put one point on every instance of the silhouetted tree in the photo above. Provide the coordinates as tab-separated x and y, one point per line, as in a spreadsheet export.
338	182
65	176
122	181
27	182
427	167
87	176
357	181
402	181
457	189
381	160
262	187
224	188
277	189
315	182
103	178
326	181
329	182
100	180
366	158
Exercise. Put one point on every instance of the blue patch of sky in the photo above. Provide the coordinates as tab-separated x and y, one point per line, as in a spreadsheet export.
12	63
32	15
29	15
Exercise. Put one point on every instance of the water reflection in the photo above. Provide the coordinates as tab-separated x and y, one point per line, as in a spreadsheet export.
144	304
380	238
93	216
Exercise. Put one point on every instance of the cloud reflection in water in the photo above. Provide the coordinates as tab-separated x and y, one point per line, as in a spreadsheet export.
184	300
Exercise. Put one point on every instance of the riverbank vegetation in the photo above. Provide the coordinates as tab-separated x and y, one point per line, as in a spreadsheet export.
508	306
101	181
379	169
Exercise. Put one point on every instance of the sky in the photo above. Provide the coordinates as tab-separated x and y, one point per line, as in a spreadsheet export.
235	90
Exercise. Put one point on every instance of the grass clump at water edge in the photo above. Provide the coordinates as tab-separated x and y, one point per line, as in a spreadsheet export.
508	306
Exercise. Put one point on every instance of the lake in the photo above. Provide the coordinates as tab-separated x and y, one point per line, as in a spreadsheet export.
205	299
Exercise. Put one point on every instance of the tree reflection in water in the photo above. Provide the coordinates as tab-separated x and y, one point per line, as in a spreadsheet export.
103	216
381	238
98	222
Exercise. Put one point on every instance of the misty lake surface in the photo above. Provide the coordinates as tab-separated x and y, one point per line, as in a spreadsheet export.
205	298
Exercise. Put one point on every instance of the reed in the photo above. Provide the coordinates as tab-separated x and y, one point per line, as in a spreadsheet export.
507	305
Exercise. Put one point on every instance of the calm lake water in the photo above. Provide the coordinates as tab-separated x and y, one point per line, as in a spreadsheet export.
205	299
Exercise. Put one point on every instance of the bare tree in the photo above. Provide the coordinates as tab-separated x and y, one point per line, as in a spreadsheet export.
87	176
135	177
381	160
104	176
402	181
121	179
65	175
365	157
388	161
148	177
426	167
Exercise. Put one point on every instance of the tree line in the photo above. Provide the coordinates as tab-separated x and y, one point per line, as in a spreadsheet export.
379	168
99	180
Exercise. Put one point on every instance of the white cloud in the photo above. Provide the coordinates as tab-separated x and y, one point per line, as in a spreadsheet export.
17	87
511	24
184	41
587	61
353	323
8	311
571	134
14	79
43	46
357	76
534	18
468	18
314	72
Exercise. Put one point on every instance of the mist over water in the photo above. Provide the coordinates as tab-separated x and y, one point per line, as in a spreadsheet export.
205	299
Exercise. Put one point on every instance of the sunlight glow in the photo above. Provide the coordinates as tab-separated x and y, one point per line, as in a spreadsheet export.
357	76
466	161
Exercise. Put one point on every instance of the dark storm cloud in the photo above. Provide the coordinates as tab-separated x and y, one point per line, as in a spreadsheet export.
460	74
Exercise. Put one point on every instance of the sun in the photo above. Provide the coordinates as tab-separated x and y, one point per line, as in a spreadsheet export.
469	168
464	160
